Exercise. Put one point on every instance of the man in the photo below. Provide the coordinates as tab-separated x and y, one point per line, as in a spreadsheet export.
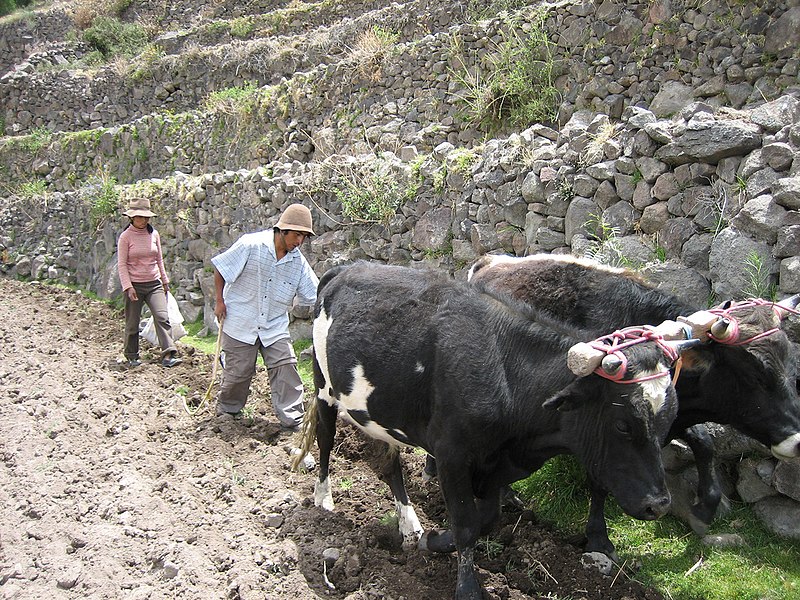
255	281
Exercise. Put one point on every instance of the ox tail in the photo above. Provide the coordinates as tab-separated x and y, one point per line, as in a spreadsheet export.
307	435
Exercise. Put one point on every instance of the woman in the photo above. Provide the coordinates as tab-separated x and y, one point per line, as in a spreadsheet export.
144	280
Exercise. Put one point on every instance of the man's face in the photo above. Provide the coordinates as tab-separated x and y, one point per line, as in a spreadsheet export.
293	239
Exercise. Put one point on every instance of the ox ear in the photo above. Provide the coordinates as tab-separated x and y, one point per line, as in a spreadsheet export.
567	399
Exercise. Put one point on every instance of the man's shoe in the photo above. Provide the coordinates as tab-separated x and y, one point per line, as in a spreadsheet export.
171	361
223	414
133	363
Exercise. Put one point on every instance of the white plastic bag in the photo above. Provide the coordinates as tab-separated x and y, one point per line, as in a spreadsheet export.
175	320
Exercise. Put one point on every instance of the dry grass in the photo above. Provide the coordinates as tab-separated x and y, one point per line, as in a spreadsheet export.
84	12
370	52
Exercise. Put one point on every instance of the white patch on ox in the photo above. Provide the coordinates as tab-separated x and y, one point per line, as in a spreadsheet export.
356	400
788	448
322	494
500	259
322	325
408	523
655	390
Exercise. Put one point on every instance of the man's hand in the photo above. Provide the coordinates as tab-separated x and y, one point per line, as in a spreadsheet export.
220	310
132	295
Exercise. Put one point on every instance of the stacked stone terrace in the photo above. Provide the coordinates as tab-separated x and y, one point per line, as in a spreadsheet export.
149	123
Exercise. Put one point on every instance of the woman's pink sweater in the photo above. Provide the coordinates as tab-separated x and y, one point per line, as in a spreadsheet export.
139	257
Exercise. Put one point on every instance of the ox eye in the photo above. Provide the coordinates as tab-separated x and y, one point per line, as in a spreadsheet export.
622	427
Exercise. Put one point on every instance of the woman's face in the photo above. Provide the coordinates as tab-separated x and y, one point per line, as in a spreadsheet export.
140	222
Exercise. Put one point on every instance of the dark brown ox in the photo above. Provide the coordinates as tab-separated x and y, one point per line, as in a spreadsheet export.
742	376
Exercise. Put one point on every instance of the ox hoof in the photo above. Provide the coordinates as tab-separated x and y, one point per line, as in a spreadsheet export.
422	544
322	495
437	541
699	526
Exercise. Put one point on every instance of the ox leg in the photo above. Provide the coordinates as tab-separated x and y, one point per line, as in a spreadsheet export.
510	497
444	540
410	527
489	509
709	492
597	539
465	525
326	431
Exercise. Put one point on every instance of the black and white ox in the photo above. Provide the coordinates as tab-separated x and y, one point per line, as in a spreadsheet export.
414	358
742	376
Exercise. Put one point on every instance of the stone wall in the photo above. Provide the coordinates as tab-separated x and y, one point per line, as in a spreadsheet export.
609	56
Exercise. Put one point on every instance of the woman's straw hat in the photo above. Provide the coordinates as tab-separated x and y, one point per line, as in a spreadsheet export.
139	207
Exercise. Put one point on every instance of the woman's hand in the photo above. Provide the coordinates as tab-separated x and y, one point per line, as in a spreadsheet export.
132	295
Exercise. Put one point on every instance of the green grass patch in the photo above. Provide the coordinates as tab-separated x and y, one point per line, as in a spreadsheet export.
9	6
765	568
206	344
30	189
111	37
233	100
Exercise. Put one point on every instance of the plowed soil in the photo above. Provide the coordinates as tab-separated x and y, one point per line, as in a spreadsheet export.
110	488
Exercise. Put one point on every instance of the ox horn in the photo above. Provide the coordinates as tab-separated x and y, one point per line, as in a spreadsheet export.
680	346
721	329
700	323
611	364
787	306
583	359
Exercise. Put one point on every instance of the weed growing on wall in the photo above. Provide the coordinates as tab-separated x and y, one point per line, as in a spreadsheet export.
102	196
31	189
759	283
462	161
717	206
145	64
242	27
368	193
233	100
371	50
36	139
604	243
86	11
111	37
517	87
478	10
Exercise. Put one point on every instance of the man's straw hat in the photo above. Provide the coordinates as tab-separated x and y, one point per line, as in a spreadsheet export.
296	217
